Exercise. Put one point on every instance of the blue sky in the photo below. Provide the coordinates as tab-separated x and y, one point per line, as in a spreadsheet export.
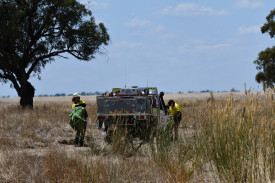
188	45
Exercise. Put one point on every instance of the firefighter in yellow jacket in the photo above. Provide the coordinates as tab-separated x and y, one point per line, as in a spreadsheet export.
176	114
80	132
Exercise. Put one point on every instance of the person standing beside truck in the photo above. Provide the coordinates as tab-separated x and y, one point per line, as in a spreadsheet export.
176	114
78	119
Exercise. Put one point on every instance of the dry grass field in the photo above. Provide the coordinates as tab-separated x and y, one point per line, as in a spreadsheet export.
224	137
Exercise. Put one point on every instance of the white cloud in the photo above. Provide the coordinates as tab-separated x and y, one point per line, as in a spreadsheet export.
136	22
159	28
128	44
93	4
248	30
186	9
249	4
148	28
161	33
166	36
198	46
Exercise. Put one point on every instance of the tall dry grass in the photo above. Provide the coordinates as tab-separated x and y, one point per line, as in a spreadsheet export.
237	137
30	128
30	150
54	165
221	140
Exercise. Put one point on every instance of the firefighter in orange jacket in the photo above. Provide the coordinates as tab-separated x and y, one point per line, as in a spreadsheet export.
176	114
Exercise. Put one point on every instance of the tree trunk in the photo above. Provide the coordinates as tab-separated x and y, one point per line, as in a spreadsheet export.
26	93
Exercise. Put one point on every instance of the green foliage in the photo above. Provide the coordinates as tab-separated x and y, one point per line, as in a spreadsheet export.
266	59
34	32
266	65
270	25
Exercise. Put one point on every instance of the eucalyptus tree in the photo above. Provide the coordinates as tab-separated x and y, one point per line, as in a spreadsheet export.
34	32
266	59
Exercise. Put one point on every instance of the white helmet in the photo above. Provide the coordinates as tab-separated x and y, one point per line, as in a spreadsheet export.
75	95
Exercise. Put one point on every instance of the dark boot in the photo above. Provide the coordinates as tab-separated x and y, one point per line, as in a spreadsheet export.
81	143
76	143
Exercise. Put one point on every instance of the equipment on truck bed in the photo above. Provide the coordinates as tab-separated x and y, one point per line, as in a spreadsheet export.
136	111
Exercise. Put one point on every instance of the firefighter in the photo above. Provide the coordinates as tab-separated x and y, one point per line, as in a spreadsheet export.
77	102
79	119
176	114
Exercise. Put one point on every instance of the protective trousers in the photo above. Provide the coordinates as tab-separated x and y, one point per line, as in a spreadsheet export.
80	134
79	122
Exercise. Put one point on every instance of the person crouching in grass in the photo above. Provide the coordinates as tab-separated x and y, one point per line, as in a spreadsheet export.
176	114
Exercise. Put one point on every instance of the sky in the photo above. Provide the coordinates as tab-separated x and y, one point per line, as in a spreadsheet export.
187	45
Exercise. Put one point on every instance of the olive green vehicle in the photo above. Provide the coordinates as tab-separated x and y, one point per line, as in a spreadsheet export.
137	112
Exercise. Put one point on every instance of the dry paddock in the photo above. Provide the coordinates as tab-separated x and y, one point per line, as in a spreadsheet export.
35	146
92	98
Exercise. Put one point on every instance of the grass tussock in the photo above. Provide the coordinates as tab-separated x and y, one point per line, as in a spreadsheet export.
53	166
36	127
122	144
237	137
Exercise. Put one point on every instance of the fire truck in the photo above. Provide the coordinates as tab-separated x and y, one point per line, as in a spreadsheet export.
137	112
